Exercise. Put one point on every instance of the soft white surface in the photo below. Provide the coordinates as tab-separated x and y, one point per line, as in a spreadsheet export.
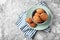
11	9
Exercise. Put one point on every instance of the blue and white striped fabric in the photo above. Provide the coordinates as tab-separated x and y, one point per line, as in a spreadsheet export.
28	32
24	27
